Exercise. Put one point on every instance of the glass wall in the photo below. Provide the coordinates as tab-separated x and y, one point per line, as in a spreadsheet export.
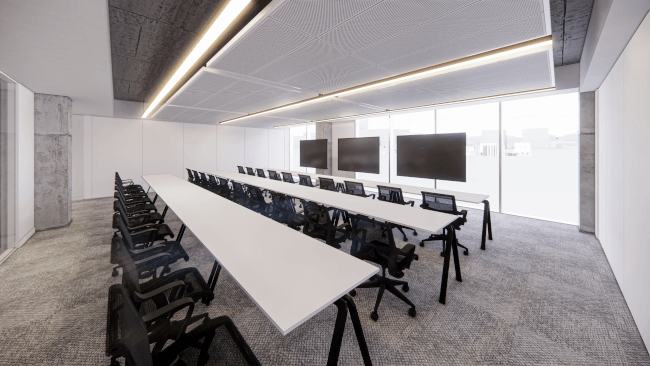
481	124
540	162
7	162
371	127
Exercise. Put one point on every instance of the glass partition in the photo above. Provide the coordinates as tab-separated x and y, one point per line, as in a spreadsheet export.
372	127
7	162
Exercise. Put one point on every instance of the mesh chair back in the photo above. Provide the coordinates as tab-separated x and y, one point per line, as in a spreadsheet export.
197	178
126	335
256	194
204	179
238	188
213	181
250	171
260	173
439	202
273	175
223	183
327	183
287	177
126	237
390	194
241	169
130	278
190	177
354	188
305	180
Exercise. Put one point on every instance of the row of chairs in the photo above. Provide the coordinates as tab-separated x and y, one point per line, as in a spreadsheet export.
430	201
146	325
333	226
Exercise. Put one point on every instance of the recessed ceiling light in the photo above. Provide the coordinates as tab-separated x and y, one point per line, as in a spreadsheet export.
501	54
229	14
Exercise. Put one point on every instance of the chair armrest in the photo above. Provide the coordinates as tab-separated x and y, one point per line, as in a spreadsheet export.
371	194
143	226
154	257
410	203
159	290
171	309
144	231
464	213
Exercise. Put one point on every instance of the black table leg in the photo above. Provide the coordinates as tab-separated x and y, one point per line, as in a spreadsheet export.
454	249
487	223
445	267
181	231
165	211
214	275
154	199
344	304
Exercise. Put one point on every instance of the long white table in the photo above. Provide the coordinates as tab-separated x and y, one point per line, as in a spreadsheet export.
288	275
412	217
475	198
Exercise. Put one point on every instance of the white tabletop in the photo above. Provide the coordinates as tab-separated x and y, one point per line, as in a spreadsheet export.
414	217
460	196
288	275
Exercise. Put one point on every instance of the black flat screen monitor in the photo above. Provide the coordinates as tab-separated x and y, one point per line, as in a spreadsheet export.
359	154
439	156
313	154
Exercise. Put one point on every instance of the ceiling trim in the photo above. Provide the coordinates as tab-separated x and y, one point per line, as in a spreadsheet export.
252	79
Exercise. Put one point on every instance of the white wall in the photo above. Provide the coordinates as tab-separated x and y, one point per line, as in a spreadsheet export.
623	173
340	130
25	173
102	146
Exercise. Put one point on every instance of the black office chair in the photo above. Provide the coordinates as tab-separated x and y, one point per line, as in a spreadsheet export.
305	180
387	255
127	184
138	217
284	211
135	205
240	196
320	225
327	184
356	189
447	204
241	169
142	233
260	173
205	183
273	175
394	195
225	191
197	178
213	185
190	176
250	171
257	202
288	178
127	337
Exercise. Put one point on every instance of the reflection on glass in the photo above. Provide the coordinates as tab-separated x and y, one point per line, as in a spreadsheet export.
540	157
7	162
481	124
371	127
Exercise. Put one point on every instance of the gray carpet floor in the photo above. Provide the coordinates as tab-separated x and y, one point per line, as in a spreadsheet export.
541	294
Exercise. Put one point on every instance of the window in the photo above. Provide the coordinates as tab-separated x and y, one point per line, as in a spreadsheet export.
481	124
540	163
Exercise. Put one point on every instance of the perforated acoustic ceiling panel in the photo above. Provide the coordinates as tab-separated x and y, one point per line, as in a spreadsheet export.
318	47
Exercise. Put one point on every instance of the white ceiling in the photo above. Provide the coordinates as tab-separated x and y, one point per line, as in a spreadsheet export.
59	47
303	48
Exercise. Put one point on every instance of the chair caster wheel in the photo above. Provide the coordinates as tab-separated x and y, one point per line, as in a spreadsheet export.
353	293
412	312
115	273
442	254
374	316
415	233
466	252
422	244
405	287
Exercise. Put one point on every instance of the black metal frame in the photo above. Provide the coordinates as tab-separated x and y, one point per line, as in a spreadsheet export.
487	223
345	304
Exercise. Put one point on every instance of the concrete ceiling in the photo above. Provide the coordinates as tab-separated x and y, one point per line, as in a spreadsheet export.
59	47
569	21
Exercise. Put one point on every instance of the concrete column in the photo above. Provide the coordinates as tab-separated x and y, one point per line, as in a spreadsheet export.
324	131
52	161
588	162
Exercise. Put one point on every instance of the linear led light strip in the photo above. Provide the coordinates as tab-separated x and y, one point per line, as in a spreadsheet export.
388	111
518	50
229	14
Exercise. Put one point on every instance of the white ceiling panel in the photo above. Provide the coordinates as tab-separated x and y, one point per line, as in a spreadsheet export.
458	26
241	89
212	117
515	32
306	57
190	98
188	114
315	17
166	113
208	81
263	44
264	122
387	19
345	81
266	99
324	110
336	69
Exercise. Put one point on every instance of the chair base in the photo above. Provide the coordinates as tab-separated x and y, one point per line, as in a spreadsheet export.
441	237
384	283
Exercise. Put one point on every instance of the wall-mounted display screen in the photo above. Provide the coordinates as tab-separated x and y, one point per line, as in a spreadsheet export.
359	154
437	156
313	154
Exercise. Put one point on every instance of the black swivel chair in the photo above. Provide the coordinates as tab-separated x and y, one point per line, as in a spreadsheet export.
274	175
241	169
356	189
197	178
305	180
288	178
327	184
250	171
447	204
210	340
260	173
320	224
190	176
225	191
387	255
395	195
240	195
284	211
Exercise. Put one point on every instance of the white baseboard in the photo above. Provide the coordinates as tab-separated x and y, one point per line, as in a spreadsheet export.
26	237
6	254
